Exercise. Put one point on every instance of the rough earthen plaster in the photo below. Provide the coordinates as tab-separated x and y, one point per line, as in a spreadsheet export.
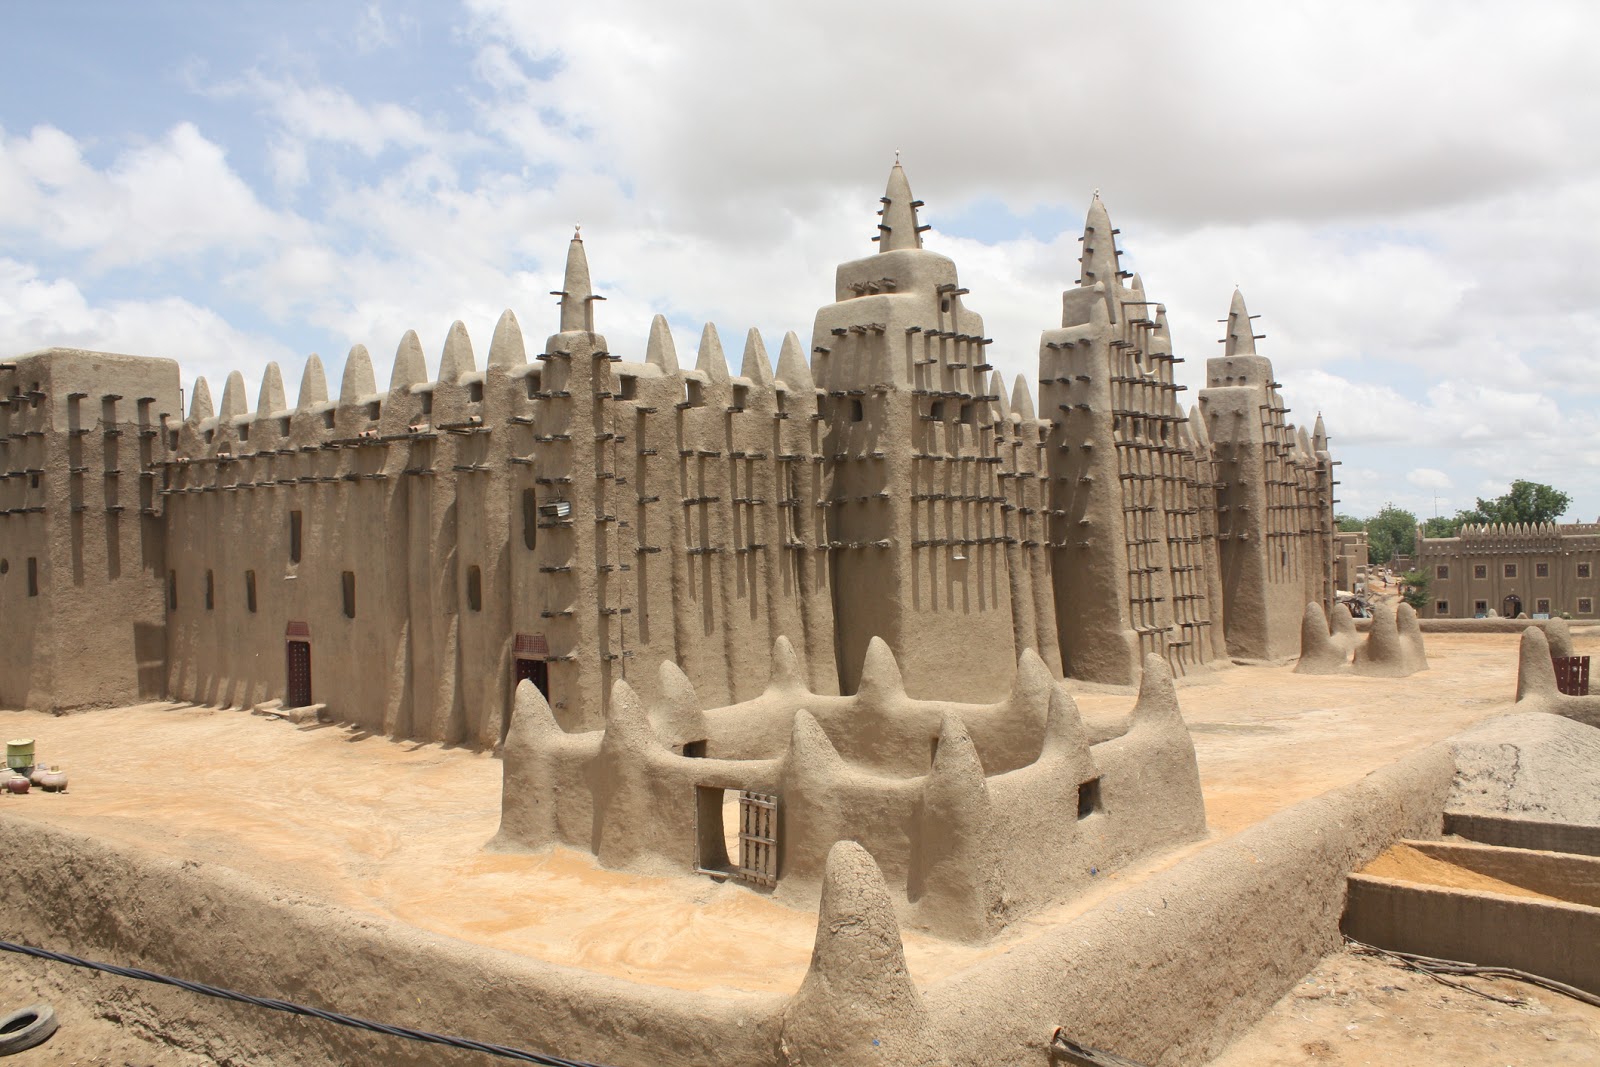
974	813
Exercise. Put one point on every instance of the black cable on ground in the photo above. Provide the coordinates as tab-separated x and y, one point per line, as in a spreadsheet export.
351	1021
1435	967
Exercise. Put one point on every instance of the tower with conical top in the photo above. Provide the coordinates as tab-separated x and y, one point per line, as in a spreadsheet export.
915	538
1274	498
1132	554
584	570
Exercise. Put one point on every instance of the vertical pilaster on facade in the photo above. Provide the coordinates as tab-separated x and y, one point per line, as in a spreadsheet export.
1131	556
1274	501
914	520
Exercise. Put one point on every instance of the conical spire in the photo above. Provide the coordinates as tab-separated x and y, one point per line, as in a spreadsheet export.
1099	260
755	365
457	358
505	348
659	349
793	368
711	361
271	400
1319	435
576	293
233	402
1241	335
313	385
1022	399
200	405
997	387
357	383
410	367
899	228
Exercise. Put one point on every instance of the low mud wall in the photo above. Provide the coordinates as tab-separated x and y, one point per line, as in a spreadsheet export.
1468	626
1174	969
1167	972
205	923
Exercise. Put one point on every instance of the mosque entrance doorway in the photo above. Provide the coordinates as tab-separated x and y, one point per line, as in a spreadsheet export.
535	671
1512	606
299	673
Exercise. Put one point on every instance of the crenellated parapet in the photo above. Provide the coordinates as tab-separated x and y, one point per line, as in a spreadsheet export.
977	814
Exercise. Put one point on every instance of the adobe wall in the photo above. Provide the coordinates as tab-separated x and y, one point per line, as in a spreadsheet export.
976	815
689	530
81	548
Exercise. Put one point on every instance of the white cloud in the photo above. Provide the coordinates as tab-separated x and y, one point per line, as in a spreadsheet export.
173	199
40	312
1429	478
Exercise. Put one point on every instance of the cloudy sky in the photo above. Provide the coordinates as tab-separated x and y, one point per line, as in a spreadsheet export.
1407	193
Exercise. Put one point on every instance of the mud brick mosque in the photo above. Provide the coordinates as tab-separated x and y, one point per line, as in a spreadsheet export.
400	558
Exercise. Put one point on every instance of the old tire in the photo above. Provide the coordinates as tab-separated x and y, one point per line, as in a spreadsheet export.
22	1030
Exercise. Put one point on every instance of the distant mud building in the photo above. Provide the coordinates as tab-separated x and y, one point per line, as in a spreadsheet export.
1509	569
404	556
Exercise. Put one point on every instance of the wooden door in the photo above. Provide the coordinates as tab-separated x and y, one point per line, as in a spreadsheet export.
299	694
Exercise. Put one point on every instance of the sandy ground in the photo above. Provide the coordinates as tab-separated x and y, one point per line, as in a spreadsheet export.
91	1029
1358	1010
397	829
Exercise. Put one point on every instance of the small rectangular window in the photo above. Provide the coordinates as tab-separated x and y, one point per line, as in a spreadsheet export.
172	590
530	519
347	584
294	536
1585	605
211	591
250	591
1510	570
1541	570
33	575
1441	571
427	403
694	393
532	381
627	387
1441	607
936	410
329	418
1480	608
475	392
374	409
856	411
1542	606
1583	570
1480	570
474	589
244	431
969	414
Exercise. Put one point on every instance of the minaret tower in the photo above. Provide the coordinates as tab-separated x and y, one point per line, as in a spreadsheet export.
584	571
916	542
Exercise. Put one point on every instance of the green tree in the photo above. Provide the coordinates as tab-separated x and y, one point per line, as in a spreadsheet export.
1391	532
1443	526
1414	588
1526	502
1348	523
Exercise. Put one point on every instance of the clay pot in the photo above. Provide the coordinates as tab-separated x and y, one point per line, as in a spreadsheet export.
36	775
17	784
54	781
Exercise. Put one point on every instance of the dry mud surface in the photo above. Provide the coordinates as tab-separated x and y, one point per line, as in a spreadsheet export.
397	829
1357	1010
